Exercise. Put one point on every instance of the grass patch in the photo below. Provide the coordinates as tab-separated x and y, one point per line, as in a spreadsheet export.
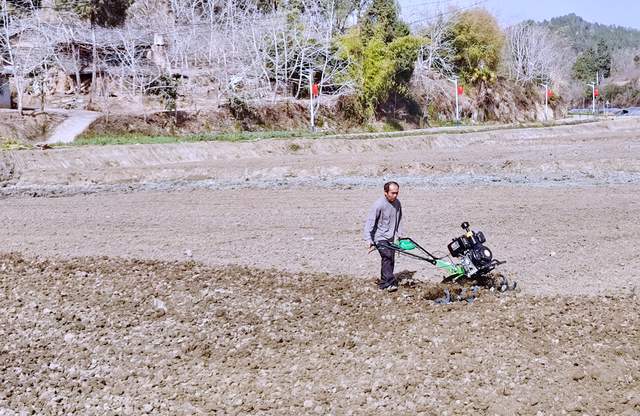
367	132
109	139
436	122
391	125
12	144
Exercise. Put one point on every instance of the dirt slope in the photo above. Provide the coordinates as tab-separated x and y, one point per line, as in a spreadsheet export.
599	153
31	127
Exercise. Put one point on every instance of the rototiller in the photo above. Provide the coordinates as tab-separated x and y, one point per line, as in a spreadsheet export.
475	259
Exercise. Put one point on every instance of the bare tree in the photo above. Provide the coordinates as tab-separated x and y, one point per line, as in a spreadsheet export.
272	54
65	32
229	47
436	54
24	49
133	69
434	65
626	64
317	41
533	54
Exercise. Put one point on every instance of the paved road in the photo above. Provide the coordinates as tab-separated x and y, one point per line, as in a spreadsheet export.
77	122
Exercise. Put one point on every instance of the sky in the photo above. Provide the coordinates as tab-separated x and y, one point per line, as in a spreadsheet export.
618	12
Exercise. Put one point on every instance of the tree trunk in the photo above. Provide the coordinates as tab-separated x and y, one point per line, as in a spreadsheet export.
76	54
19	92
43	88
94	66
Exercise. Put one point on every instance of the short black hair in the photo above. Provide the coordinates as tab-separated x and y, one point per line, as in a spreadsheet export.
388	184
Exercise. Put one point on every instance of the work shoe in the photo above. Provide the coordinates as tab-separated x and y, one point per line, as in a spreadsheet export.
390	288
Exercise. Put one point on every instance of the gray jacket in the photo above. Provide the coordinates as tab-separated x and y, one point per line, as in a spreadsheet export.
384	221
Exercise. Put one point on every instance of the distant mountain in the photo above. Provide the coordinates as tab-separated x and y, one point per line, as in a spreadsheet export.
582	34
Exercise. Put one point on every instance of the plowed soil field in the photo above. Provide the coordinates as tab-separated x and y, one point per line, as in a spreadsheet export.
107	336
231	278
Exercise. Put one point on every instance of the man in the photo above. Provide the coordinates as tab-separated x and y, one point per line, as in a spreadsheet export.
382	227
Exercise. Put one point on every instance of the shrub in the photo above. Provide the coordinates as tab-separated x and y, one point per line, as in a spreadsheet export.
477	40
165	87
377	67
620	95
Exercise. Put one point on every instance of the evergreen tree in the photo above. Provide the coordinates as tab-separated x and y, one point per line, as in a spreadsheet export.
593	61
105	13
382	20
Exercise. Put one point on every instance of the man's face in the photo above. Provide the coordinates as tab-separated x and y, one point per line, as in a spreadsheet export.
392	194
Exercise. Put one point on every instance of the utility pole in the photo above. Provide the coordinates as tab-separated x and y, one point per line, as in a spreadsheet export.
593	98
455	92
313	121
597	85
546	100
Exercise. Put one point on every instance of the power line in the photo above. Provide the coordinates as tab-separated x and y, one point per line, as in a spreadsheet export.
449	12
428	3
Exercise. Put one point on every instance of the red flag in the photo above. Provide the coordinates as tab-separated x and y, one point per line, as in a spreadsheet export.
550	93
315	90
460	90
596	92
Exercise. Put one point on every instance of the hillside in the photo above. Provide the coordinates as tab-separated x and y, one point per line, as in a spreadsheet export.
583	35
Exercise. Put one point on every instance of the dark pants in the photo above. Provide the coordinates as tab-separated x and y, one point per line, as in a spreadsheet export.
388	262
